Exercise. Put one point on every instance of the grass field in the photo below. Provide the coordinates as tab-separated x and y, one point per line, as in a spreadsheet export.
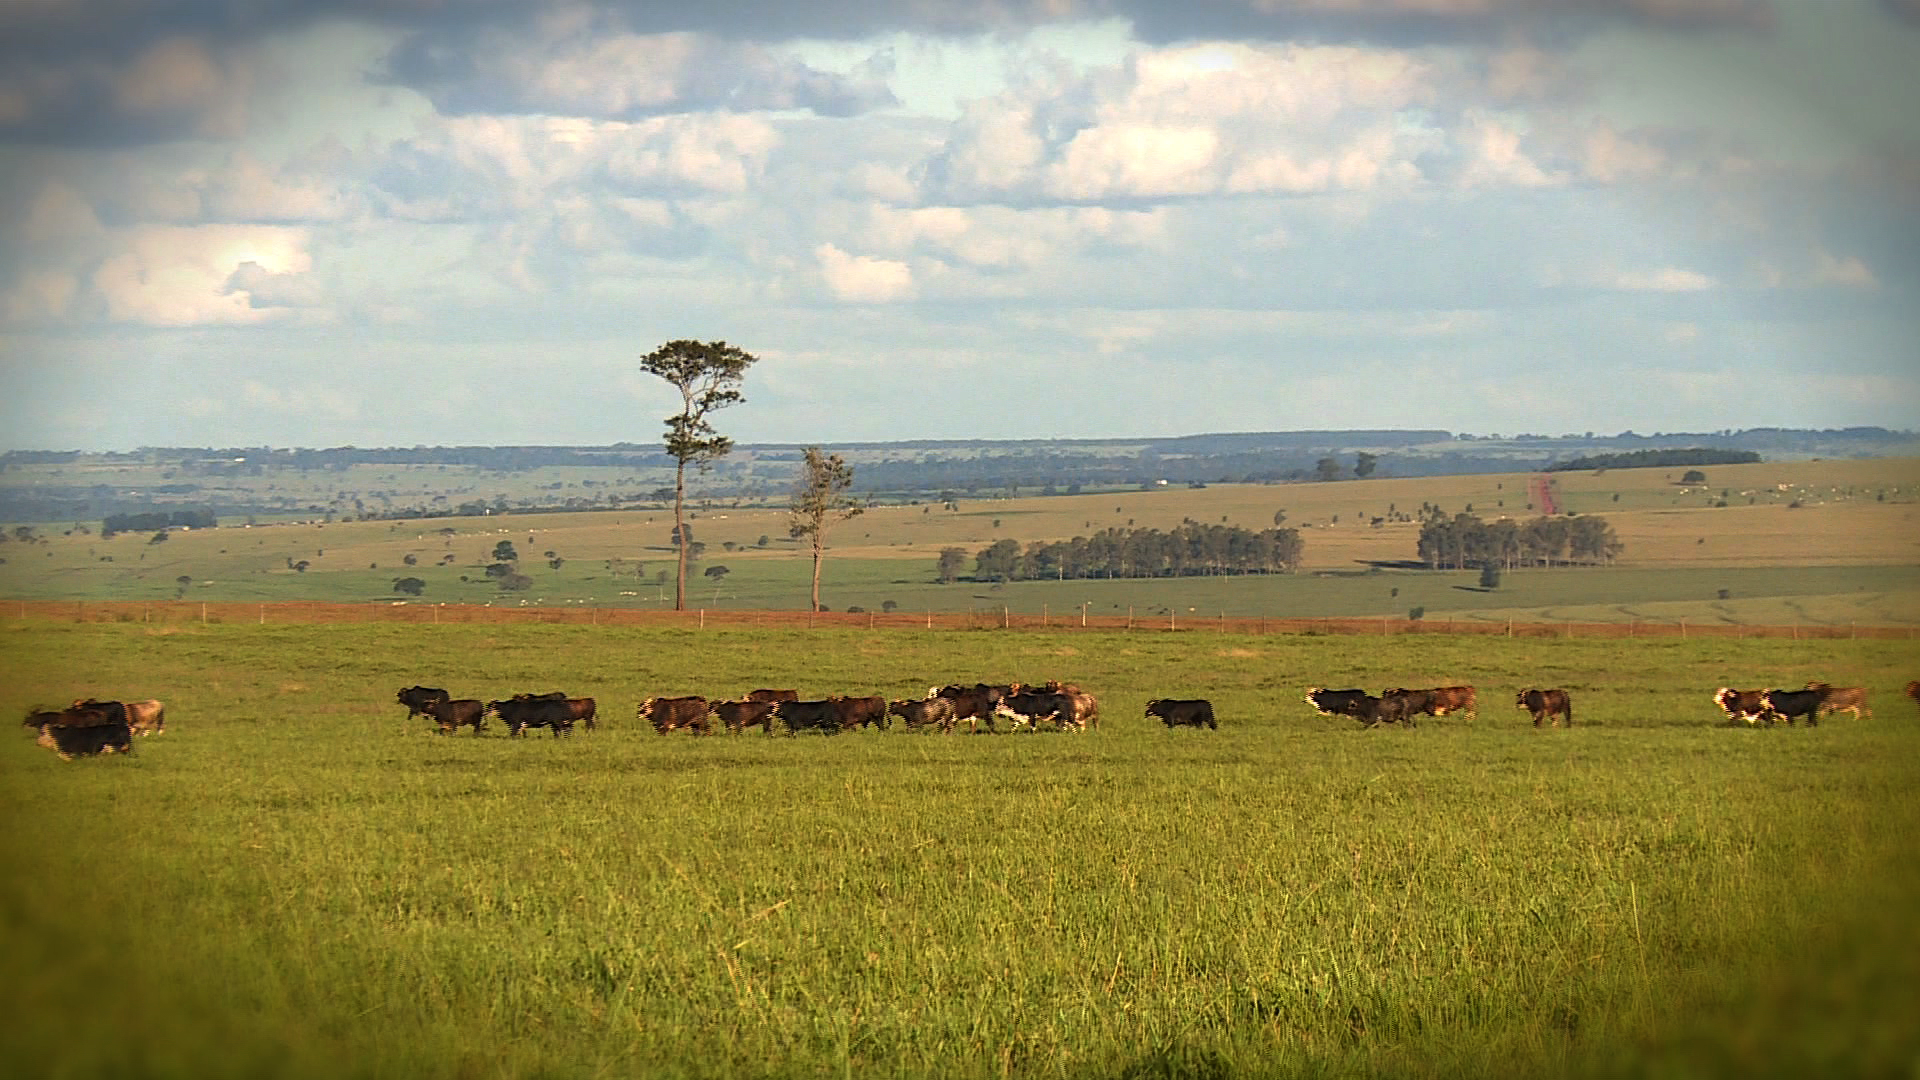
1847	552
294	882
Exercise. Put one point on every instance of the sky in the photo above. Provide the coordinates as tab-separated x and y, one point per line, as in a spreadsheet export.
457	222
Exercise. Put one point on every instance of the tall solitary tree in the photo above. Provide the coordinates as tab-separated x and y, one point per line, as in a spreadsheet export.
820	500
708	375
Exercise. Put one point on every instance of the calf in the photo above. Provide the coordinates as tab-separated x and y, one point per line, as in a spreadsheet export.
801	715
1183	712
523	711
1548	705
452	714
1748	706
773	695
917	713
417	698
668	714
1913	691
853	712
1339	702
1794	704
1835	699
738	716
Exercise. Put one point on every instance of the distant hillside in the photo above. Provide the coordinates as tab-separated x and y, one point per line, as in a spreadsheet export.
1657	459
420	481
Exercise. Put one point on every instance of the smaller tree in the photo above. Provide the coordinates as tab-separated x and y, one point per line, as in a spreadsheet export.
409	586
1490	576
1364	464
820	501
1694	476
1327	469
952	561
503	552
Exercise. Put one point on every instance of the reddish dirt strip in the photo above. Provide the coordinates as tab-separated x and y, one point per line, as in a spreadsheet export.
188	613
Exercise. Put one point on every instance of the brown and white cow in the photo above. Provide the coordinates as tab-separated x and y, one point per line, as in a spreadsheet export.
1546	705
1446	699
1748	706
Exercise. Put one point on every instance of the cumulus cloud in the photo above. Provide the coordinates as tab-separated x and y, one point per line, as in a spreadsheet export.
173	276
1201	120
479	167
863	279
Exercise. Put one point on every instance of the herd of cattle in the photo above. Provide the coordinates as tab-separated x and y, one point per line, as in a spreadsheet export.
96	727
91	727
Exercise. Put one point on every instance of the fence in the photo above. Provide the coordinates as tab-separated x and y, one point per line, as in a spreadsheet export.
176	613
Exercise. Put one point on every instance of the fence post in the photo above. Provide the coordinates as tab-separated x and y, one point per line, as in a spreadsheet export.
1083	615
1129	616
203	613
1683	629
1003	616
1170	625
1043	616
1509	627
703	619
929	618
263	614
1383	626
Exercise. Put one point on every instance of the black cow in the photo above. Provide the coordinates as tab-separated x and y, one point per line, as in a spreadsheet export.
919	713
91	713
853	712
1183	712
417	698
452	714
1791	705
1030	707
737	716
801	715
84	740
1546	705
523	711
667	714
1395	707
1339	702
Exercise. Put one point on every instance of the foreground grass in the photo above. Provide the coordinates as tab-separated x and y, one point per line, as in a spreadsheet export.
292	882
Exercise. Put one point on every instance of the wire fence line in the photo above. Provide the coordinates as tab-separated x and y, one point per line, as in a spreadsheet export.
301	612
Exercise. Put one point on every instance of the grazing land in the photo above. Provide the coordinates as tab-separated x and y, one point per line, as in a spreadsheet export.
295	882
1821	541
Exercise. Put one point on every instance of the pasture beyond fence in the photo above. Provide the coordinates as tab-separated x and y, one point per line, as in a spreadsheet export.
184	612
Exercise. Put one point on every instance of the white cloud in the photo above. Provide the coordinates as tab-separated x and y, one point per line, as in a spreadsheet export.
1848	271
863	279
1197	120
1665	279
170	276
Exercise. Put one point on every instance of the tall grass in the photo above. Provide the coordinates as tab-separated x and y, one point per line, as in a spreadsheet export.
293	881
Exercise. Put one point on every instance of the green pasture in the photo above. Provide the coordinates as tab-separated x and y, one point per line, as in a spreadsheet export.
294	882
1815	595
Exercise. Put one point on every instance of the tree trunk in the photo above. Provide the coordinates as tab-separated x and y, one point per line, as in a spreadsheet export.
817	553
680	535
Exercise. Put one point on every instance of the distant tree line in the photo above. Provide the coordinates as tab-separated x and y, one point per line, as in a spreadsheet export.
1464	540
155	520
1654	459
1191	550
